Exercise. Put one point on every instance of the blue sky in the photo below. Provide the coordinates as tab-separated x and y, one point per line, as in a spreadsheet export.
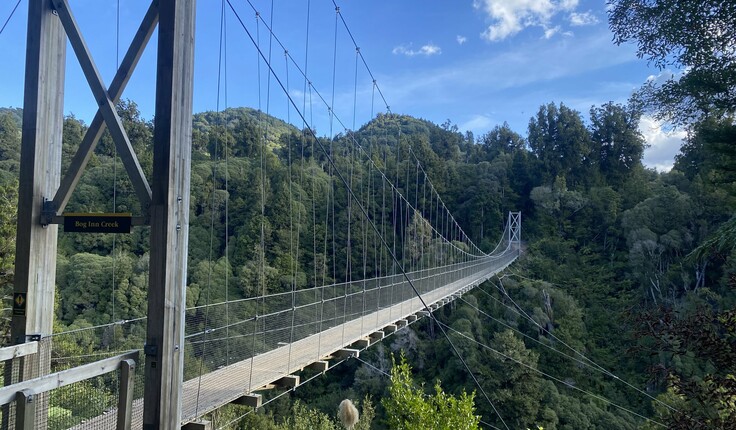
477	63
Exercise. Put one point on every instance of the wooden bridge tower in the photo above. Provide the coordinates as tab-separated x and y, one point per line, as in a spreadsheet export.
44	193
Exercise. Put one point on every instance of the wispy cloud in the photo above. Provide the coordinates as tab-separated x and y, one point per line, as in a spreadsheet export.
477	123
426	50
663	144
461	39
494	78
584	18
509	17
549	32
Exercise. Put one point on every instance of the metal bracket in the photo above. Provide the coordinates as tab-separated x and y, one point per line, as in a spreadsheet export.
150	350
33	337
48	212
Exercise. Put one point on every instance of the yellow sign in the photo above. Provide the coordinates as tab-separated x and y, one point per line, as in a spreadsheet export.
19	304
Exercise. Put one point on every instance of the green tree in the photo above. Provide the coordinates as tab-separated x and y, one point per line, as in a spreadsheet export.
559	139
9	146
408	408
696	353
516	388
8	221
501	139
617	141
695	36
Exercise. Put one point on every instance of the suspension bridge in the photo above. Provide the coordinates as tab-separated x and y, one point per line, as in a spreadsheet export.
401	253
369	245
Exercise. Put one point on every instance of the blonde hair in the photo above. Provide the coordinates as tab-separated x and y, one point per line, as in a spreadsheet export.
348	414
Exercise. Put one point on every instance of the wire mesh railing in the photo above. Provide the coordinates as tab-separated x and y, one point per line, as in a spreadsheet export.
65	398
261	324
253	341
285	334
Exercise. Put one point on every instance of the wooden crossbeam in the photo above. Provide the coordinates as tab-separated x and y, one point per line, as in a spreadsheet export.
361	343
346	353
376	336
255	401
319	366
288	381
198	425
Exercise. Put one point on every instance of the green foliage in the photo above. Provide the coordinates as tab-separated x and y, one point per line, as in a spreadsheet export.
606	239
692	35
696	354
409	408
616	141
303	418
559	139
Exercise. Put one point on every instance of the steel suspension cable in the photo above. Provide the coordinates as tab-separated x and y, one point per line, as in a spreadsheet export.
212	207
547	375
373	226
332	114
590	363
293	253
12	12
115	175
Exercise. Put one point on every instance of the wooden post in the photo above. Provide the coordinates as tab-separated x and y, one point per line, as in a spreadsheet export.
40	170
164	349
125	396
26	410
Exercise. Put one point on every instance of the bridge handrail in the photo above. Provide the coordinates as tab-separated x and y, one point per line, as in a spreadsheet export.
16	351
60	379
447	268
394	280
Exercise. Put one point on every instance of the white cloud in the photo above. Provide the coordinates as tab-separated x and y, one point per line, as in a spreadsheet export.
509	17
512	69
663	144
549	32
477	124
461	39
584	18
426	50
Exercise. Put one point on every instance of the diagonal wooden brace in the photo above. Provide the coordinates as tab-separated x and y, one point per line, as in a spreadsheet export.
97	127
105	101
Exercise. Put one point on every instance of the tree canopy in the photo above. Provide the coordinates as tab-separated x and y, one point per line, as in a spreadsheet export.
695	37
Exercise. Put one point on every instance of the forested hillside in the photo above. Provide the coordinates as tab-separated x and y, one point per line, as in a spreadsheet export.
614	275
